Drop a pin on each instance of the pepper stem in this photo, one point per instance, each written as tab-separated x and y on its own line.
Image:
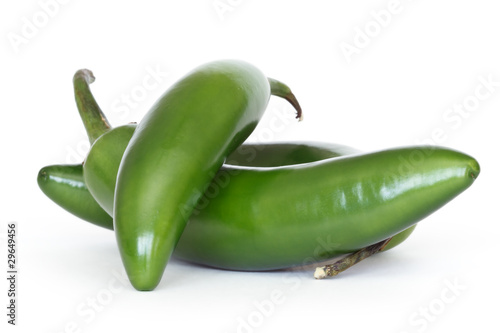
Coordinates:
282	90
349	261
93	118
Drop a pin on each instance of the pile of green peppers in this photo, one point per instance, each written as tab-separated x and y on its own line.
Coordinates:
183	182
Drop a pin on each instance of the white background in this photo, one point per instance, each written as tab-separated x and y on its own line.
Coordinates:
396	90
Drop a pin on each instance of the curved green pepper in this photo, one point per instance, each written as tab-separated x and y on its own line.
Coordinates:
173	155
347	203
65	185
277	217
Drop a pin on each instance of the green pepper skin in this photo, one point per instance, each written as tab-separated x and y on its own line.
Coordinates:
101	165
265	155
263	218
64	185
399	238
174	154
287	216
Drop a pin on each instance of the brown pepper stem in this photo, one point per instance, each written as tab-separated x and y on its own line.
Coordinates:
350	260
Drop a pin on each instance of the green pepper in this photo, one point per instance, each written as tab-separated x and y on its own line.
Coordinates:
241	226
346	203
65	185
350	201
173	155
263	218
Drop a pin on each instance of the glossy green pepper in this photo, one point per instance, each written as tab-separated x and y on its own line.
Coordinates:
65	185
449	172
173	155
263	218
347	203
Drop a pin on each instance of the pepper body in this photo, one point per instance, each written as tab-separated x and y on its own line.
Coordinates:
174	154
301	214
263	218
64	185
54	180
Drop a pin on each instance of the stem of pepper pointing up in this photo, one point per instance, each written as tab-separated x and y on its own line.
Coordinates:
93	118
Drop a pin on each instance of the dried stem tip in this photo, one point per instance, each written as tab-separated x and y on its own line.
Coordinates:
349	261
